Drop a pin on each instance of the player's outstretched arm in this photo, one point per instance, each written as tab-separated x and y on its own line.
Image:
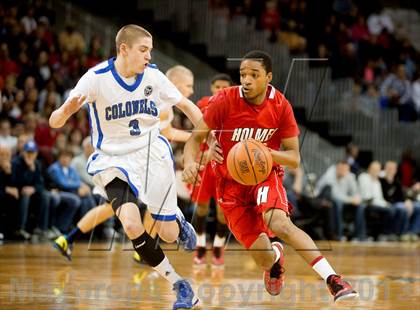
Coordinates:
190	110
191	150
290	156
174	134
59	117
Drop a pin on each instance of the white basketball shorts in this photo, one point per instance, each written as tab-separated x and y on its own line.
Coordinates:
148	171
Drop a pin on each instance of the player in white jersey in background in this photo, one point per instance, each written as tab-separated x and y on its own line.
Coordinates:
131	160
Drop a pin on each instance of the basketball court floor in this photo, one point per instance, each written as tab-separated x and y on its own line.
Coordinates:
35	276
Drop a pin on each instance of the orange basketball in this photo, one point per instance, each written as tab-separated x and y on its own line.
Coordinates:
249	162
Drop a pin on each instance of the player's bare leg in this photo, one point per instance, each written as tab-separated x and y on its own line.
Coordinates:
175	229
199	222
147	248
89	221
219	238
129	216
281	225
149	226
95	217
170	231
270	258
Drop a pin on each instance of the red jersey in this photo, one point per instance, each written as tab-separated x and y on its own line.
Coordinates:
234	120
203	103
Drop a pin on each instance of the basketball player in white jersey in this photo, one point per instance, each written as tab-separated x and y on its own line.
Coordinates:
183	79
131	160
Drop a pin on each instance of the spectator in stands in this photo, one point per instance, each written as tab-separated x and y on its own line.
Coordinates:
71	40
295	42
416	93
345	195
8	92
21	141
379	21
26	175
6	139
28	21
360	31
310	212
391	220
9	194
293	183
270	18
394	194
95	53
64	205
80	162
8	66
396	92
45	137
68	180
407	169
13	108
75	142
352	154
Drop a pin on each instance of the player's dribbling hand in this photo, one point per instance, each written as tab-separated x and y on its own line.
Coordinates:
190	174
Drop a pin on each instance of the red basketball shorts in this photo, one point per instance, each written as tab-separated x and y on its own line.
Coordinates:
202	193
243	206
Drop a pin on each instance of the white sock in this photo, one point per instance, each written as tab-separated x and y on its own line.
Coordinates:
201	240
277	251
219	242
322	267
166	270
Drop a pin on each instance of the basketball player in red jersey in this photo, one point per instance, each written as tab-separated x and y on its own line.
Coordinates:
257	110
201	194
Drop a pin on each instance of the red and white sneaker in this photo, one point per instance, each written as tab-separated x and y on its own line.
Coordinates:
200	256
274	278
218	258
339	288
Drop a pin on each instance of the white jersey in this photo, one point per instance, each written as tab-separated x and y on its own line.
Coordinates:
166	117
123	117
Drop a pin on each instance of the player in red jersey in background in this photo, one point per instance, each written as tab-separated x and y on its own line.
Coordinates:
257	110
201	194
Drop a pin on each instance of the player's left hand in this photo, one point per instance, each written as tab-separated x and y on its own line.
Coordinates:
215	150
190	174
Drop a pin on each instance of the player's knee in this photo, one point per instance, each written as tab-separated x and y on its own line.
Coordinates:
281	226
132	228
282	229
202	210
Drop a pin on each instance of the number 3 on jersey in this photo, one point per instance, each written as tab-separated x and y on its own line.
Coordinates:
135	129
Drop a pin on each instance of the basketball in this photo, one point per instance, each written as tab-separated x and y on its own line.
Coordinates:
249	162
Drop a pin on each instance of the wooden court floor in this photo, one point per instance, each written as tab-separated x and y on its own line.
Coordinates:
35	276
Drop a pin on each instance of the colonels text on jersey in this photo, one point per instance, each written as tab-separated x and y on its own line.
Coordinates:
235	119
124	113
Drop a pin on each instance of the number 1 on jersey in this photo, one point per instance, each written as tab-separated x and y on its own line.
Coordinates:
135	129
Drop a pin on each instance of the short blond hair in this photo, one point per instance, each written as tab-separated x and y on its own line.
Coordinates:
177	72
128	34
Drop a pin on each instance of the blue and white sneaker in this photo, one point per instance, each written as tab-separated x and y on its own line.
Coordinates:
187	236
185	297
